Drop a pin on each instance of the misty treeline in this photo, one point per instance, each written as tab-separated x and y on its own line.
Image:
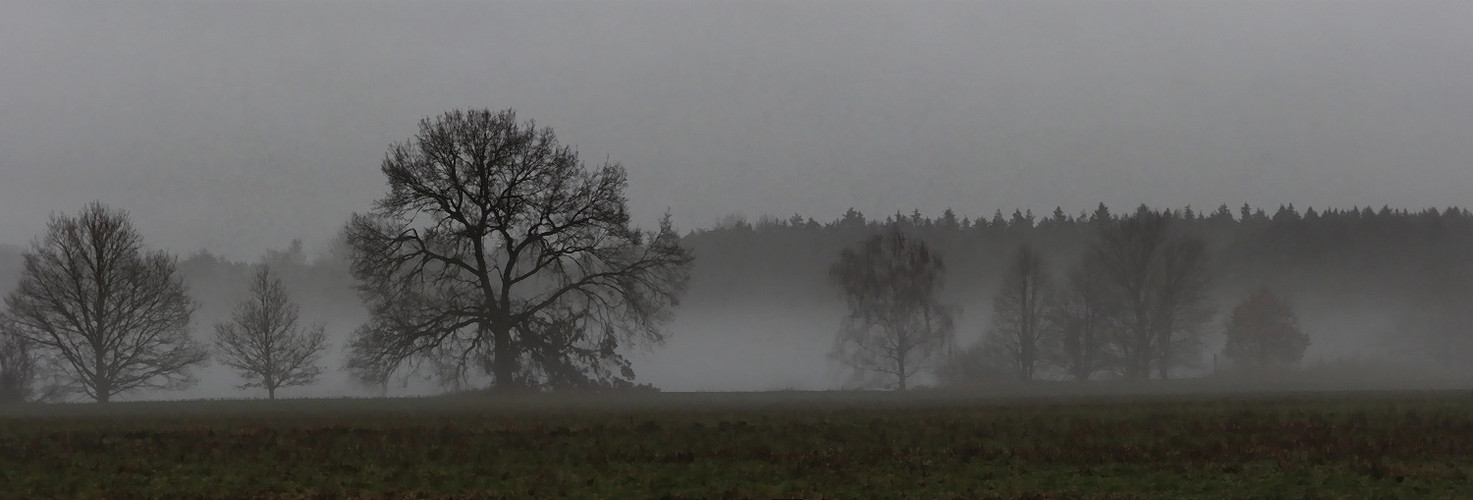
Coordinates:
1368	285
498	259
1403	276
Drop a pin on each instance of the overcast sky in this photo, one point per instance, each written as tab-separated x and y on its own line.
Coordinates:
239	126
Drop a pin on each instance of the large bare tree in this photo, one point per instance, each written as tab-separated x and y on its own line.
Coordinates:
497	249
263	341
1159	281
1020	329
896	326
114	317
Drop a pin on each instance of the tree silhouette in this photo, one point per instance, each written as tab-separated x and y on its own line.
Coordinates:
17	367
1160	282
491	234
1081	315
115	318
1020	327
263	342
1262	332
895	326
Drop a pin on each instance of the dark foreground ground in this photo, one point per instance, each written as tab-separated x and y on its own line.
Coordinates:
756	445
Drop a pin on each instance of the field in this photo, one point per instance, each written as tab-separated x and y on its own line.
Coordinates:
752	445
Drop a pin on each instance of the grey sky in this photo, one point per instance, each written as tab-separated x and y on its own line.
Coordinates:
239	126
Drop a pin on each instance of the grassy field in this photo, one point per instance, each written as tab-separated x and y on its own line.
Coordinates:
752	445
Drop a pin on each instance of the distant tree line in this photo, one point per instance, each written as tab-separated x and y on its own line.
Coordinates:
1041	283
1134	295
497	258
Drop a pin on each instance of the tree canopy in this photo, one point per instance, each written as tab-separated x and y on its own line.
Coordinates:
114	317
497	250
263	341
896	327
1262	332
1021	330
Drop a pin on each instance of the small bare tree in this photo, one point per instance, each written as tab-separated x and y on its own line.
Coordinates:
24	375
17	367
113	318
895	327
1019	334
264	343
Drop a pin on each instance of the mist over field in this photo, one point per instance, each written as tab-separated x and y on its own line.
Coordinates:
761	313
1333	135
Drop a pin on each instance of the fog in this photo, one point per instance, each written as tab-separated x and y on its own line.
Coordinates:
234	128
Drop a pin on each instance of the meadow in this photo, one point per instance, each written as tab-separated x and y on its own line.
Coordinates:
924	444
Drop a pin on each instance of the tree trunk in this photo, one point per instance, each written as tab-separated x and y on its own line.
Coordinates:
901	373
103	390
100	384
1163	367
504	360
1143	355
271	393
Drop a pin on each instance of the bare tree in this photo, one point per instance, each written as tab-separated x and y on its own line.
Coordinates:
1081	315
1127	251
895	327
1159	282
1181	310
1262	332
1020	330
115	318
24	375
263	341
491	239
17	367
